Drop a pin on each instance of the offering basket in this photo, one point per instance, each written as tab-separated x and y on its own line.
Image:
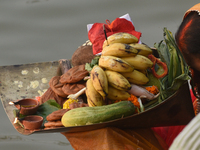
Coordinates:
30	80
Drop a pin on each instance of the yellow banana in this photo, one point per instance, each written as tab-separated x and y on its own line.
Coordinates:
120	37
99	80
115	64
143	49
136	77
117	80
93	97
115	94
119	50
139	62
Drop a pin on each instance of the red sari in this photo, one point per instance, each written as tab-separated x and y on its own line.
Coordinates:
168	134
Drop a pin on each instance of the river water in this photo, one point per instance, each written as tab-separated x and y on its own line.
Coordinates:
47	30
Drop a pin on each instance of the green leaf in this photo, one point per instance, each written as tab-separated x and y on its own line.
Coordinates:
88	67
47	108
44	110
163	52
178	70
94	61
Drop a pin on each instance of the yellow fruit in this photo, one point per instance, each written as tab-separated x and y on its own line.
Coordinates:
120	37
115	94
139	62
93	97
119	50
143	49
99	80
136	77
115	64
117	80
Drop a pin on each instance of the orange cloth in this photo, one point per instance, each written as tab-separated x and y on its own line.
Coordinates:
112	138
193	8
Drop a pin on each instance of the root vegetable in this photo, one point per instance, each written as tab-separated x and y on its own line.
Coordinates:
142	92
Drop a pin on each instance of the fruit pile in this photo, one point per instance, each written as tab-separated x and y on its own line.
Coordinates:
123	62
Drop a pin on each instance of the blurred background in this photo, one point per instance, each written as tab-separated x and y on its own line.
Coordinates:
48	30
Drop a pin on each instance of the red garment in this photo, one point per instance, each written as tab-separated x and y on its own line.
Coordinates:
97	36
168	134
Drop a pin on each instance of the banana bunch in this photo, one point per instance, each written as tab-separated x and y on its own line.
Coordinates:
123	62
96	87
122	53
106	84
94	98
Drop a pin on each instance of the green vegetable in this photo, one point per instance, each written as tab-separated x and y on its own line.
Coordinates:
90	115
178	70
